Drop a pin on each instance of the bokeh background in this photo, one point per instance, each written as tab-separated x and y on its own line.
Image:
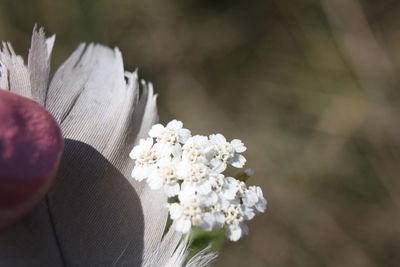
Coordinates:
311	87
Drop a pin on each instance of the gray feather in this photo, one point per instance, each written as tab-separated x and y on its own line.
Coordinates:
18	78
39	66
175	255
164	251
94	215
203	258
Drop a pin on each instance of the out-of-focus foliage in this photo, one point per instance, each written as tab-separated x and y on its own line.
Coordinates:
311	87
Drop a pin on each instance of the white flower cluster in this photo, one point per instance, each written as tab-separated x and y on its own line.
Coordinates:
189	170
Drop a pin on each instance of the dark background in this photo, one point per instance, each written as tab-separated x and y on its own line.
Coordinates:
311	87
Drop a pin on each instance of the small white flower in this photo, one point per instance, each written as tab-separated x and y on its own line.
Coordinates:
248	213
250	197
223	152
145	157
217	182
234	222
195	176
230	188
142	149
227	153
183	223
238	146
197	149
238	161
171	135
165	176
209	199
215	217
261	203
235	232
187	213
234	186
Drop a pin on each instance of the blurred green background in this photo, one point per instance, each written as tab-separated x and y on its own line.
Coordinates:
311	87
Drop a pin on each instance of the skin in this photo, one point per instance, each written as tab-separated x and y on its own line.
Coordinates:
31	147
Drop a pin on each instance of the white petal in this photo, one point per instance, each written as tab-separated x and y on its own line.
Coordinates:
238	146
229	191
146	143
175	210
204	188
139	173
187	193
218	166
219	219
183	170
245	229
175	125
176	151
183	225
156	130
233	233
155	182
162	150
183	135
248	213
218	139
171	191
238	161
209	199
208	222
250	197
261	204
